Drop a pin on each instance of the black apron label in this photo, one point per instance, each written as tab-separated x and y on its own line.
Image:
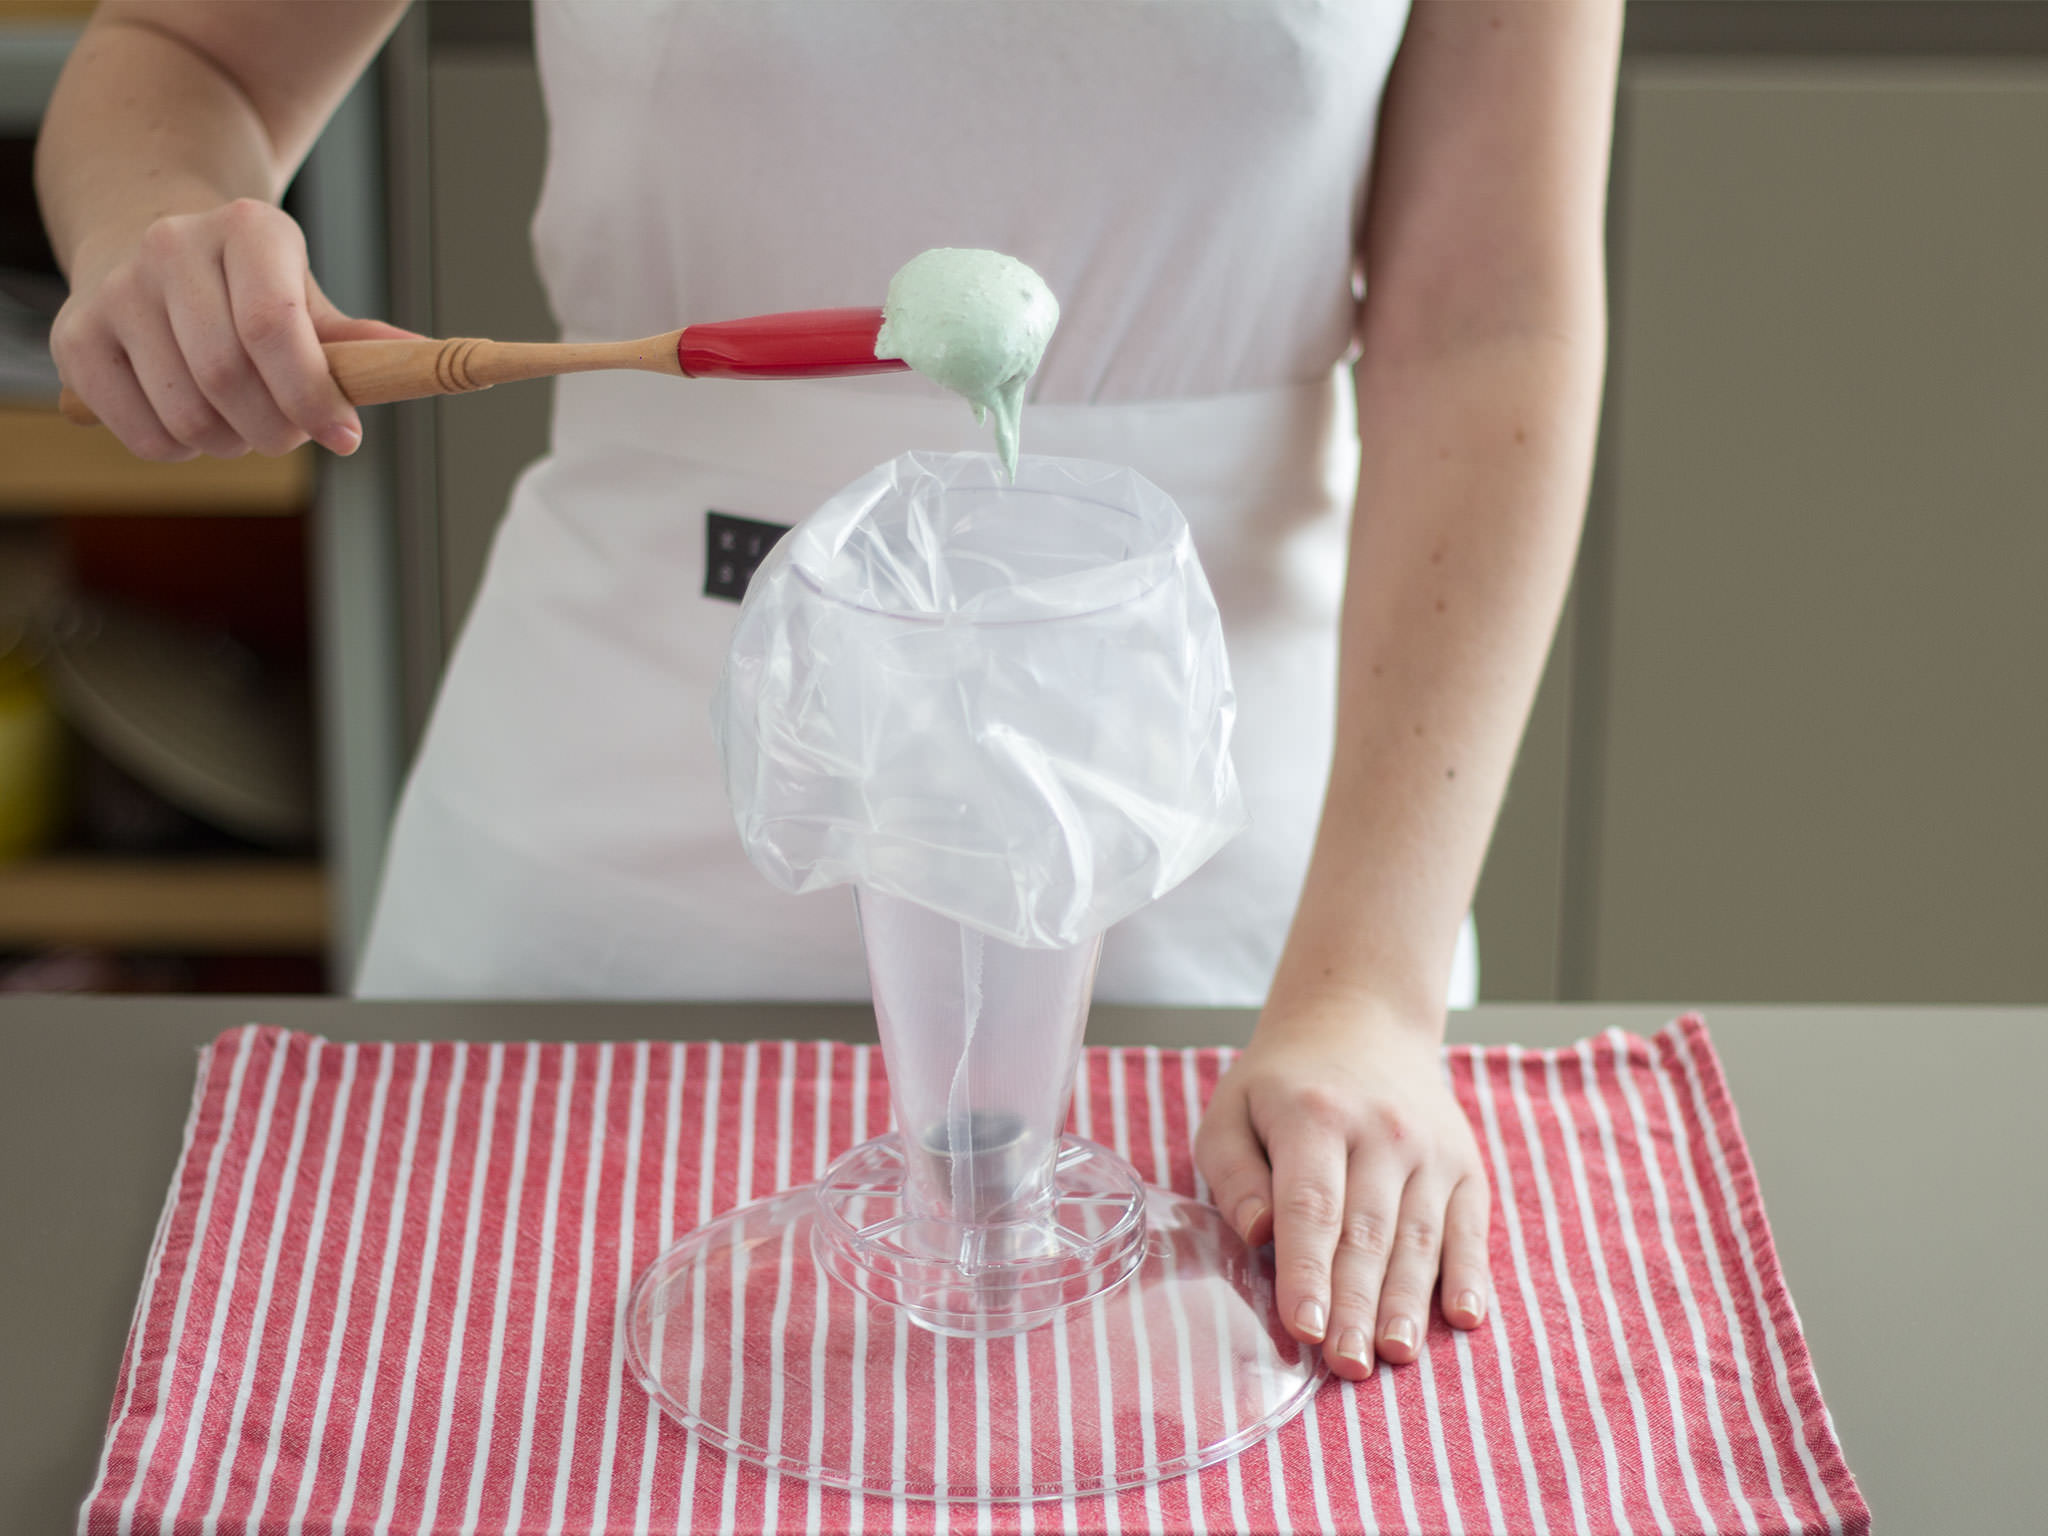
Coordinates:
734	548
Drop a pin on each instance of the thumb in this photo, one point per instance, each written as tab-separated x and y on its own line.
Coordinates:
330	324
1233	1159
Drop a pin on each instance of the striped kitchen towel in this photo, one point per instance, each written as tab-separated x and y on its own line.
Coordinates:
384	1297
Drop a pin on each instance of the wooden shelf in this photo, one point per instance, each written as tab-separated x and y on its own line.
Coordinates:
44	12
187	906
48	465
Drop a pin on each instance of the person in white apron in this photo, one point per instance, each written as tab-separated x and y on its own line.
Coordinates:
1195	183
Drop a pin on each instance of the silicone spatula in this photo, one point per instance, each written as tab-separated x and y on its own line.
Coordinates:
802	344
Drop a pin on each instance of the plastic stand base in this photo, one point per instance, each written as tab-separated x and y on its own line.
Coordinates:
1105	1336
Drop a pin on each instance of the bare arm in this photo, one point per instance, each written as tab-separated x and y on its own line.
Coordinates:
1482	346
1483	341
194	325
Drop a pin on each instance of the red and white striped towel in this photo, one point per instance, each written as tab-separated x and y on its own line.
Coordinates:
384	1295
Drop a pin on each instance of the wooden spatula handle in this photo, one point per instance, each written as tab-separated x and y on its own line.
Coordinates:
374	372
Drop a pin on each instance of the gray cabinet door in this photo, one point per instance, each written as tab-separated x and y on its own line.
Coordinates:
489	147
1810	679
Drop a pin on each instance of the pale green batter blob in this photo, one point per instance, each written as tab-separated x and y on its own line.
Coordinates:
976	322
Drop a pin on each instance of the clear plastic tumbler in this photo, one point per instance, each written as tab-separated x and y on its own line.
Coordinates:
979	1219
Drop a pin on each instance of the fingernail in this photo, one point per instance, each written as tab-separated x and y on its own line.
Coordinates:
1400	1331
1308	1317
1351	1344
1470	1306
343	440
1249	1210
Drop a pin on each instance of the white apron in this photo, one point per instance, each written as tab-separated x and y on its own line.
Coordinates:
564	831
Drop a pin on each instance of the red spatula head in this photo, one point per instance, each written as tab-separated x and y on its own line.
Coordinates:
803	344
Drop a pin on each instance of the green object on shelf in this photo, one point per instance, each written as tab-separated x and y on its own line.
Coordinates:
31	757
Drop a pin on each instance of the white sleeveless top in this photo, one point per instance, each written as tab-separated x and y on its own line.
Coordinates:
1187	175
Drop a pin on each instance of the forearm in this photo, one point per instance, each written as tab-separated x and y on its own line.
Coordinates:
1473	477
141	127
171	109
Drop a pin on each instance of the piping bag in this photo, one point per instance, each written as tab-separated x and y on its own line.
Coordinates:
1002	711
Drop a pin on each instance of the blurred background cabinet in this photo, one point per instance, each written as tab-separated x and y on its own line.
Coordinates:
160	818
1810	745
